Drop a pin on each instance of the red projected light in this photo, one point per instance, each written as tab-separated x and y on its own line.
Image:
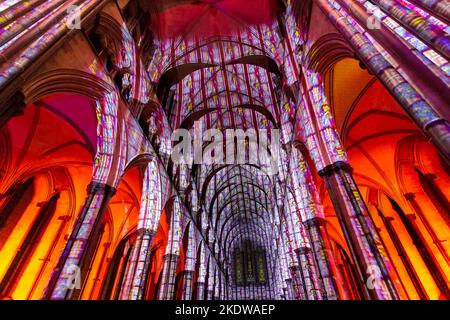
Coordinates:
207	18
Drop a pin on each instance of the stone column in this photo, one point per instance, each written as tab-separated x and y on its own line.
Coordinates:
189	265
174	242
431	85
138	266
42	39
316	228
435	7
168	277
290	293
428	183
418	210
299	274
80	248
18	10
217	285
23	16
314	223
362	238
201	267
420	26
297	282
428	257
223	287
28	247
210	280
187	284
200	290
387	221
331	160
306	266
432	124
19	193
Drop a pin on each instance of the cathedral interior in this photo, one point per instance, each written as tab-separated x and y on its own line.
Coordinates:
94	207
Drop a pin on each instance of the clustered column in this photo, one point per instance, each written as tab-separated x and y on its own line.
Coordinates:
80	248
201	274
149	216
433	125
189	267
314	222
331	161
172	255
177	225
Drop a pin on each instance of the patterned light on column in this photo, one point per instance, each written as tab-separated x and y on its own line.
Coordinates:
313	219
361	236
408	97
149	214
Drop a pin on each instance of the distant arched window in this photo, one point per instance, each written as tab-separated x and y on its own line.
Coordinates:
250	264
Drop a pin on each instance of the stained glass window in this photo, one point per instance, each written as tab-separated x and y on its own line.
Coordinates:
250	264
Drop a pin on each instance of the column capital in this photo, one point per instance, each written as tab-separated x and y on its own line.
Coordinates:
435	122
303	250
287	146
294	267
170	256
300	146
145	232
14	106
98	187
411	216
335	167
187	272
199	289
316	221
410	196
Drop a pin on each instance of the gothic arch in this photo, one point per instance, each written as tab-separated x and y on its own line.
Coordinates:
66	80
326	51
